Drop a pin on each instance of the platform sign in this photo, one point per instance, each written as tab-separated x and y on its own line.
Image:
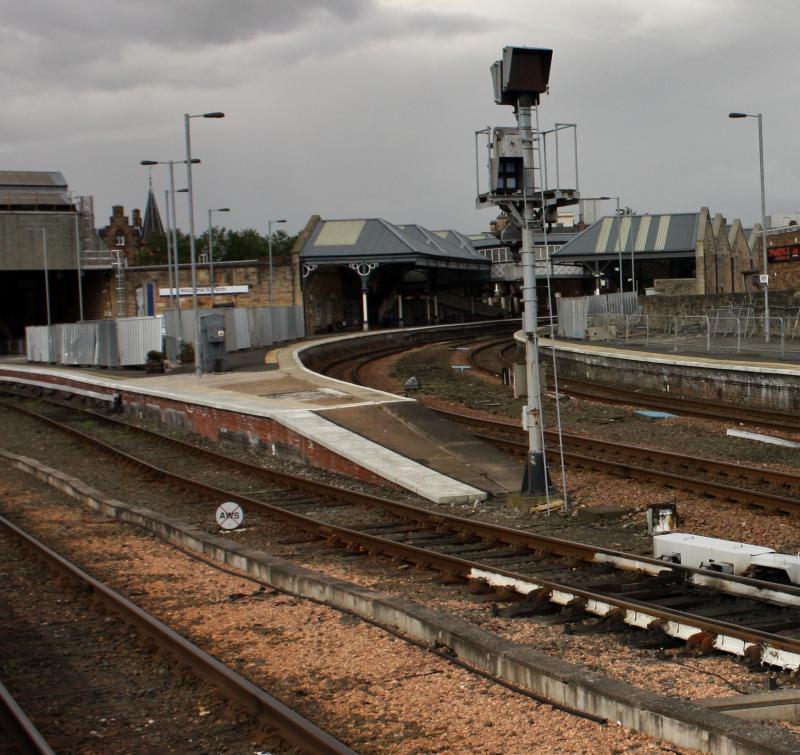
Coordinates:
230	515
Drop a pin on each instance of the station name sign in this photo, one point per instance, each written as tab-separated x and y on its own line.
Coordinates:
204	290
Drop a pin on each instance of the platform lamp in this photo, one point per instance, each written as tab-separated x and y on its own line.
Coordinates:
211	249
198	363
765	256
269	248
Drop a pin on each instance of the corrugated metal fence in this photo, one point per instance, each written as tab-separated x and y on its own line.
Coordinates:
245	327
573	312
124	342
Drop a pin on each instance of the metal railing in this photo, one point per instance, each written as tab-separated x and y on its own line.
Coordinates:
710	333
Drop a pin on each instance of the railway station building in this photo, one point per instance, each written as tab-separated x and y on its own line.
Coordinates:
676	254
48	254
372	273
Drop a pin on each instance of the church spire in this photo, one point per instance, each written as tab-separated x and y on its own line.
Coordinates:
152	218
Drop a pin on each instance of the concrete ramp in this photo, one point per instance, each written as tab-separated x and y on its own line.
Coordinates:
416	432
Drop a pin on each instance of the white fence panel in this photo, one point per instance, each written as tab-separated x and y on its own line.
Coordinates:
262	326
126	341
78	343
242	325
37	343
107	351
136	336
231	344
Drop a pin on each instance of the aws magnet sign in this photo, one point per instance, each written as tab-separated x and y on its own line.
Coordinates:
230	515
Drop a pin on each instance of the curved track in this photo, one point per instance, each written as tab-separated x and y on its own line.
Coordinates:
766	488
622	588
713	410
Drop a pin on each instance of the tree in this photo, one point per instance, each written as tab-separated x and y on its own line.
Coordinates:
247	244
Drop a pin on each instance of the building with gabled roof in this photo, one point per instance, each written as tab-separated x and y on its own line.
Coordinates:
669	253
369	271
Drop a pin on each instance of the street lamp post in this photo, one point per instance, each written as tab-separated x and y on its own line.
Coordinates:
171	164
46	293
170	280
619	244
764	255
211	249
269	247
198	364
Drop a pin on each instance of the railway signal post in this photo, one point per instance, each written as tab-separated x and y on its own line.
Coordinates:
519	78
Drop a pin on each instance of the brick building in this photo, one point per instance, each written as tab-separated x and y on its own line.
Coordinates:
783	250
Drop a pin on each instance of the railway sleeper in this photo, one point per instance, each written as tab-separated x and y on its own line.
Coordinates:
653	638
528	608
703	642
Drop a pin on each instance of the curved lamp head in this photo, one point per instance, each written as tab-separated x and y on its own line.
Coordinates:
737	115
214	115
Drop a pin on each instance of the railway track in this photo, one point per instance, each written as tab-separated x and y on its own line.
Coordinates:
20	733
727	413
532	573
291	728
755	486
720	412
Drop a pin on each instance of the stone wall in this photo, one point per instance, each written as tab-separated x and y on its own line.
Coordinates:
699	304
254	274
667	376
725	259
785	275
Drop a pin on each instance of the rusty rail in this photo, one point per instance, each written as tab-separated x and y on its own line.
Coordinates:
720	490
20	728
293	728
685	406
464	568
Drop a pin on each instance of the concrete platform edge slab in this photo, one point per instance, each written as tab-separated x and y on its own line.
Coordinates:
382	462
682	722
390	465
652	357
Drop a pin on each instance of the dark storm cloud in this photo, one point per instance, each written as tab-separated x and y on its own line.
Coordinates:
115	44
182	23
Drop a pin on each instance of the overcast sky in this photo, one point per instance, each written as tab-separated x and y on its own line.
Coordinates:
368	108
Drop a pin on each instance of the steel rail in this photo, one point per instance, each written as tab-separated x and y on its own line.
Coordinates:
686	406
536	542
13	720
325	366
519	582
480	348
785	504
682	405
293	728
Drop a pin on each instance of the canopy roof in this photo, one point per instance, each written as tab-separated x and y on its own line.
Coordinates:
336	242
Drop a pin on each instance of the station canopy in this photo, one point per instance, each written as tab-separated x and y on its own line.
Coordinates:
667	236
374	240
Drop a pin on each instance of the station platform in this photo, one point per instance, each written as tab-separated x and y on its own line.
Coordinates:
757	382
375	436
708	361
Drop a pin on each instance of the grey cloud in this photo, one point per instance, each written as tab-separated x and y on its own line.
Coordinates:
182	23
115	45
